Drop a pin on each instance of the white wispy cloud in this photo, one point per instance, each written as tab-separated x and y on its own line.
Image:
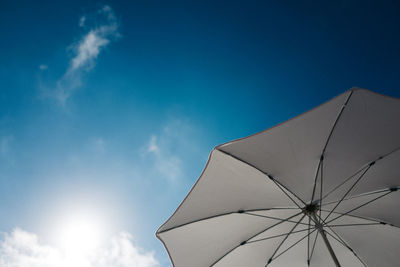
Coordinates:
167	147
123	253
153	146
82	21
24	249
165	162
43	67
85	53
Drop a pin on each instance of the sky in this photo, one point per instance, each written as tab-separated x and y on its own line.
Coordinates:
109	110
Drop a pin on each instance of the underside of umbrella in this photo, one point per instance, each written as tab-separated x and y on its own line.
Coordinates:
318	190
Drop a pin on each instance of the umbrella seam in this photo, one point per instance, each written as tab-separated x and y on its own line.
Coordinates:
328	139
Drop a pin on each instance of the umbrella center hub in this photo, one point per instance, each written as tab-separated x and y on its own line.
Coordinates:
310	209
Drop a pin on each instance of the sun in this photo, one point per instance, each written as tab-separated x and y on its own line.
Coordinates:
80	228
80	236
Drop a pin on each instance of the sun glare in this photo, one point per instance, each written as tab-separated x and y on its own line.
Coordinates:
80	236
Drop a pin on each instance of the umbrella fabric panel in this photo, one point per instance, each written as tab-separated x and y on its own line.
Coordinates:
227	185
376	245
291	151
367	130
205	242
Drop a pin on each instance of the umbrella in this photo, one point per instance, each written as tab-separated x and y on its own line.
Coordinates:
318	190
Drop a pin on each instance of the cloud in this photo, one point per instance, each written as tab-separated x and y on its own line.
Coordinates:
90	45
170	148
164	161
123	253
85	53
153	147
82	21
23	249
43	67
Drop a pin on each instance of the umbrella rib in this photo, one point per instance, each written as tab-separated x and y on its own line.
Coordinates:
336	121
364	218
360	170
259	233
345	181
272	226
266	174
348	191
270	217
274	236
195	221
341	241
279	186
220	215
356	208
298	241
328	139
316	178
338	240
338	236
320	195
282	208
283	241
359	195
354	224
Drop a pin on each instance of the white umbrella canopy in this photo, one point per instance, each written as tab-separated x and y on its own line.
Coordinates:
317	190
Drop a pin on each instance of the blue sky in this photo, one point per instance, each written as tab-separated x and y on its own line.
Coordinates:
108	110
